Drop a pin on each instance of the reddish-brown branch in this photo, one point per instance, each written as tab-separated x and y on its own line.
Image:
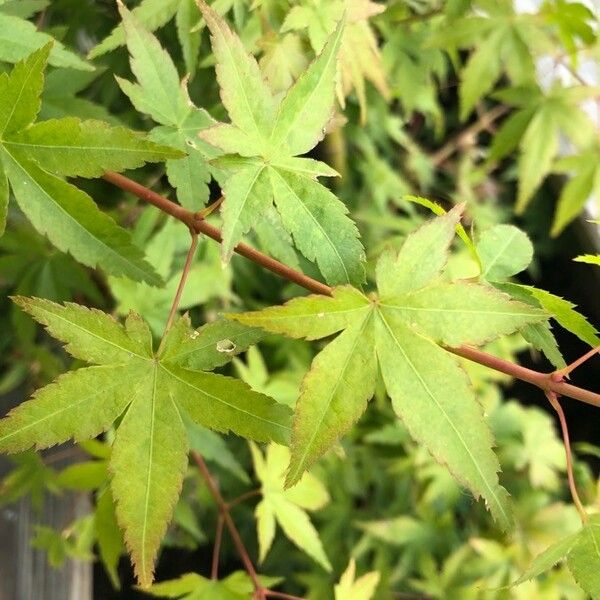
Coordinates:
553	399
195	221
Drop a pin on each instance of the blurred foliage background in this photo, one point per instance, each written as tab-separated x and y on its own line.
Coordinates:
495	104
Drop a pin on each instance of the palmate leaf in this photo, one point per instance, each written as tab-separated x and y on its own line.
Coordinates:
287	506
351	588
159	94
400	328
360	59
154	393
32	155
270	135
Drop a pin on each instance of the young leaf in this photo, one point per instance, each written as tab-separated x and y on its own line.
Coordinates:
149	453
350	588
287	506
401	327
72	222
108	536
270	135
158	93
152	13
504	251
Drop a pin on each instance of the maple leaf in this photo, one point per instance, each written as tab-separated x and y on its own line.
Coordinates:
287	506
19	37
191	586
151	394
159	94
360	59
350	588
582	553
262	145
403	328
33	156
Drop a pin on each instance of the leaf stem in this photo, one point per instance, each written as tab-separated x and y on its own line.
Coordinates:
553	399
466	136
214	571
542	380
562	373
224	512
184	275
242	498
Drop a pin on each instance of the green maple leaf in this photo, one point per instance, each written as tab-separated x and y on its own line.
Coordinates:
263	143
582	552
584	183
360	59
504	42
287	506
34	156
191	586
19	38
403	328
151	393
535	128
504	251
159	94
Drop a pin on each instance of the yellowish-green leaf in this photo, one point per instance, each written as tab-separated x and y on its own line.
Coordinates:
19	38
148	461
420	259
504	251
432	396
334	395
20	92
287	506
350	588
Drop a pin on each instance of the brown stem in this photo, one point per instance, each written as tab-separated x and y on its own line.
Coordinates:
541	380
214	571
242	498
197	223
447	150
233	531
553	399
184	275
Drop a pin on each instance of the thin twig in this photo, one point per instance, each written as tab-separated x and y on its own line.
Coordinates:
485	120
275	594
184	275
541	380
562	373
243	497
553	399
197	223
233	531
214	571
